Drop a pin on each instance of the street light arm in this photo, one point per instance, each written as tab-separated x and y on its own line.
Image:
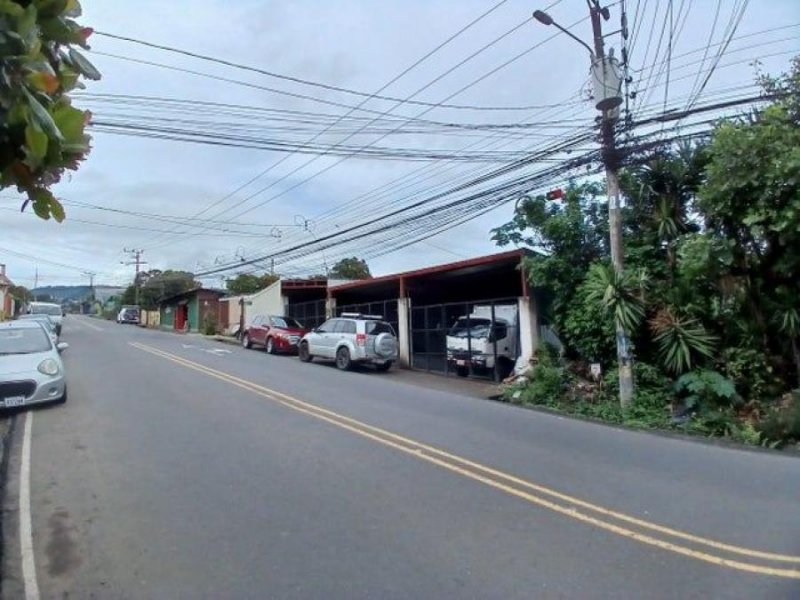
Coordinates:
546	19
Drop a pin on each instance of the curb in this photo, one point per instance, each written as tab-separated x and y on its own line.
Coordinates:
792	452
225	339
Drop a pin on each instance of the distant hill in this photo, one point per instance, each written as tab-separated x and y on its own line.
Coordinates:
77	293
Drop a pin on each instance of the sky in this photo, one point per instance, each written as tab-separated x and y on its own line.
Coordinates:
358	45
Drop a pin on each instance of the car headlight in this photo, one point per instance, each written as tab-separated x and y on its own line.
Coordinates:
48	367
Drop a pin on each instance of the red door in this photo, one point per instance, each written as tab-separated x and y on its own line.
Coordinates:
181	313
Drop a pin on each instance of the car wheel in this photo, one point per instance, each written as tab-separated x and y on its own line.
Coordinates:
303	352
343	362
383	367
270	347
246	343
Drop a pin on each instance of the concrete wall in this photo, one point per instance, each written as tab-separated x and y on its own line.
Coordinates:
167	317
150	318
528	327
268	301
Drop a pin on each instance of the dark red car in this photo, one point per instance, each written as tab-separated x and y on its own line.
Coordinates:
275	334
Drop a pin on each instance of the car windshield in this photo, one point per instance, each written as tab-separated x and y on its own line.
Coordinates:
475	328
378	327
45	309
23	341
43	319
285	323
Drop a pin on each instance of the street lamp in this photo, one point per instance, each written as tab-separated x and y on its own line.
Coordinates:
546	19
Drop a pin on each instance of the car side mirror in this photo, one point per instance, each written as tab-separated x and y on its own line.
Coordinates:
61	346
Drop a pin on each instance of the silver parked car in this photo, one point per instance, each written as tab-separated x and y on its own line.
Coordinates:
46	322
31	370
352	338
54	311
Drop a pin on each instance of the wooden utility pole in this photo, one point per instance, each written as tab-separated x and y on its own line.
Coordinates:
138	262
606	84
611	162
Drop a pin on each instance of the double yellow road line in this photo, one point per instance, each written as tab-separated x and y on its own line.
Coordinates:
642	531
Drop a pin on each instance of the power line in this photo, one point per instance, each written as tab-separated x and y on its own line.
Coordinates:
385	86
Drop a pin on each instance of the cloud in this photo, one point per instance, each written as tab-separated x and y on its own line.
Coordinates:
355	44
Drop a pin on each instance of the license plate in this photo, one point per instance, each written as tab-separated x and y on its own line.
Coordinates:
14	401
461	363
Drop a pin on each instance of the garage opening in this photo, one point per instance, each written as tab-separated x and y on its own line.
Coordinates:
310	314
469	339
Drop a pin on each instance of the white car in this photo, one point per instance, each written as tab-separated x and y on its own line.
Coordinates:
349	339
31	369
52	310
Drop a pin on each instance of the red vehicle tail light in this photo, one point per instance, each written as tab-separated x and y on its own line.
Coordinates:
361	339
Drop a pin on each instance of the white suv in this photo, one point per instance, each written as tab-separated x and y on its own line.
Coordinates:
352	338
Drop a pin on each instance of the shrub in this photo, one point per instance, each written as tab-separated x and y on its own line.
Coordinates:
680	340
751	372
547	381
589	329
782	423
704	389
210	326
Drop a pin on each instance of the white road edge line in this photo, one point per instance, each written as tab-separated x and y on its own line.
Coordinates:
25	524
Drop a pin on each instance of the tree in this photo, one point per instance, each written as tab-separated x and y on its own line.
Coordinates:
248	283
155	285
41	133
350	268
569	235
21	293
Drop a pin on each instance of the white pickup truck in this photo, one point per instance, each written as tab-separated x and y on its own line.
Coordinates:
471	340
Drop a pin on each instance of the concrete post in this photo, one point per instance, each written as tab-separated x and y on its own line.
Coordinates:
404	331
330	307
528	326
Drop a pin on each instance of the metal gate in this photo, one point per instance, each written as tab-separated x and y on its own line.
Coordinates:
476	339
310	314
385	308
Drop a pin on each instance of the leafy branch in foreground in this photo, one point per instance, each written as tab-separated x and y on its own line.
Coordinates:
41	133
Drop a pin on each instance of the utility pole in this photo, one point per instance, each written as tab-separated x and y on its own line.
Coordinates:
90	275
36	278
136	260
606	84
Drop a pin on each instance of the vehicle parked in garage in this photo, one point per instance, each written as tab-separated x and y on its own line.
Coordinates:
46	322
31	369
51	309
475	342
350	339
274	333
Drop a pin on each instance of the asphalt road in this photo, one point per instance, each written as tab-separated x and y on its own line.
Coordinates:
185	468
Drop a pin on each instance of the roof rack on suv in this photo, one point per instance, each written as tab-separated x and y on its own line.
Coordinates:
352	315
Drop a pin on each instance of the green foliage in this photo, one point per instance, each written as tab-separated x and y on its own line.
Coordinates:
751	373
548	380
705	389
782	424
155	285
21	293
619	293
350	268
568	235
210	325
247	283
41	133
680	340
587	329
711	233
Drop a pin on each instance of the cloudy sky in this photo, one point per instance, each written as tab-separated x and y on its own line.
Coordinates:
187	205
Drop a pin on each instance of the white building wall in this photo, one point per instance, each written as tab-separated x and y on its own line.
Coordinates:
268	301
